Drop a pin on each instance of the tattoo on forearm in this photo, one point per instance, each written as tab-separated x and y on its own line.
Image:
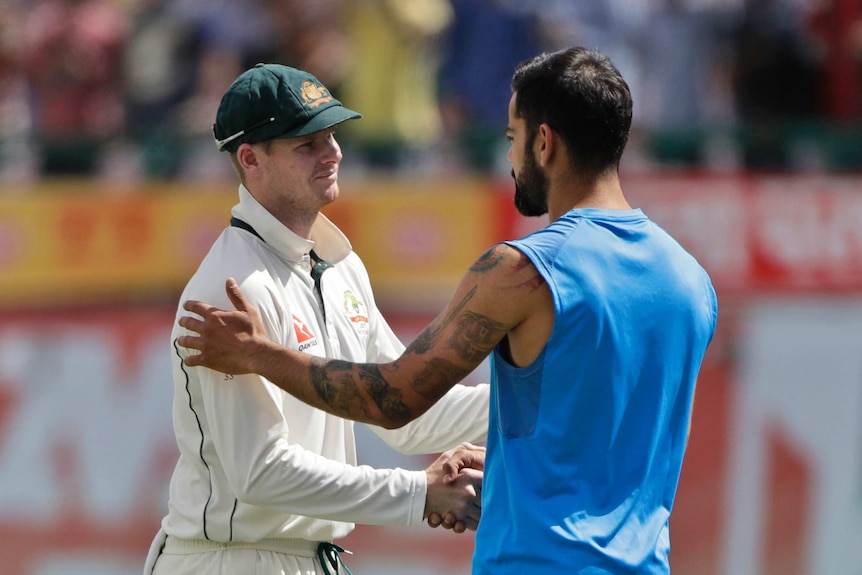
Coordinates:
336	385
333	382
387	398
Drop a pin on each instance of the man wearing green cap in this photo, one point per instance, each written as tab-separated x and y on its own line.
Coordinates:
265	483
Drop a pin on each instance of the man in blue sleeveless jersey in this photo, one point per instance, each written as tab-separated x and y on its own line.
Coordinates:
597	326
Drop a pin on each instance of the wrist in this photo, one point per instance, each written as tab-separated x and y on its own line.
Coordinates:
256	352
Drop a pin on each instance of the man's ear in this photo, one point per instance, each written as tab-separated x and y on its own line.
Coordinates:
547	142
246	156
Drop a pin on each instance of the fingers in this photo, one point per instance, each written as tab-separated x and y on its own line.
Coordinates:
197	307
464	456
464	505
194	360
190	342
452	523
191	324
456	525
236	296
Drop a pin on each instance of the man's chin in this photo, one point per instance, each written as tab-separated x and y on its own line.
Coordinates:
331	192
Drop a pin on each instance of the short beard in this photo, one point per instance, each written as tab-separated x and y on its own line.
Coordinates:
531	188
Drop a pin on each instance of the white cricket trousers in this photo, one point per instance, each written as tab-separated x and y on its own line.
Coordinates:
172	556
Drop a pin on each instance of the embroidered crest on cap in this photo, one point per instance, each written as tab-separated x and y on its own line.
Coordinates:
314	94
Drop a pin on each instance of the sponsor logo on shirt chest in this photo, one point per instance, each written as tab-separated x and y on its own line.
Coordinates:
304	338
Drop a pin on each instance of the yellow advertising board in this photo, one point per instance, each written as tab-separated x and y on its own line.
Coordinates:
64	246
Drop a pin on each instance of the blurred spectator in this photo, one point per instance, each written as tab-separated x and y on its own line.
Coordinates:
17	155
392	81
680	85
244	27
159	74
687	107
311	36
778	75
487	40
126	88
72	54
855	47
201	159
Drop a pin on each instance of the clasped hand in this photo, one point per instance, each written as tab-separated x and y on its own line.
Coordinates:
454	499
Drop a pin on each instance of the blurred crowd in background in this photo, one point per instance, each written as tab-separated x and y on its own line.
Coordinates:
127	89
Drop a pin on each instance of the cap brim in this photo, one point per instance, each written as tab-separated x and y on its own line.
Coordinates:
325	119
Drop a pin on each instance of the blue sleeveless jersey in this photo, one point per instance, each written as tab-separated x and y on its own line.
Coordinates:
586	444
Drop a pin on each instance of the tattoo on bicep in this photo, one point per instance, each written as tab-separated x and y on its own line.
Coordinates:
425	340
475	336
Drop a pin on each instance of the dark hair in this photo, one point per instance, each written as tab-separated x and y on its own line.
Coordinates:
581	95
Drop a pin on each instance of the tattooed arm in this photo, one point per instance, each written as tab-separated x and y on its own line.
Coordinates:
501	296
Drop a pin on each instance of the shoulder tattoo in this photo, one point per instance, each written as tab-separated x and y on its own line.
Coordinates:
487	261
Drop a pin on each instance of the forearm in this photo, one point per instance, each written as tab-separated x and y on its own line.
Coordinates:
352	391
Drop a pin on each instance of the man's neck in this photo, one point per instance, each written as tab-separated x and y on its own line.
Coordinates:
604	192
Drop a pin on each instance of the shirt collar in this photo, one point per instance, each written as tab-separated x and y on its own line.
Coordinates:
327	240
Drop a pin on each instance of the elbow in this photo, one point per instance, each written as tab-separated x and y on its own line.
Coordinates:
392	425
394	415
385	415
387	420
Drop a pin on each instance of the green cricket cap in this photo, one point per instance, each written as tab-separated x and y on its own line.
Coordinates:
272	101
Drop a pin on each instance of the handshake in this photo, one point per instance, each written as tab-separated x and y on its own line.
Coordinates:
454	497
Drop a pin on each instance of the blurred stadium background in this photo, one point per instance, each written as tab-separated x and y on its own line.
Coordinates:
747	146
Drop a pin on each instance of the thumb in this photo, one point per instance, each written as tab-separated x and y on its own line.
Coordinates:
235	295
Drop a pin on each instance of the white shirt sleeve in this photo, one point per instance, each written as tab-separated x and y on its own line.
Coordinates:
460	415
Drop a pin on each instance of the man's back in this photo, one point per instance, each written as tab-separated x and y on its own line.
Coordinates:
586	443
